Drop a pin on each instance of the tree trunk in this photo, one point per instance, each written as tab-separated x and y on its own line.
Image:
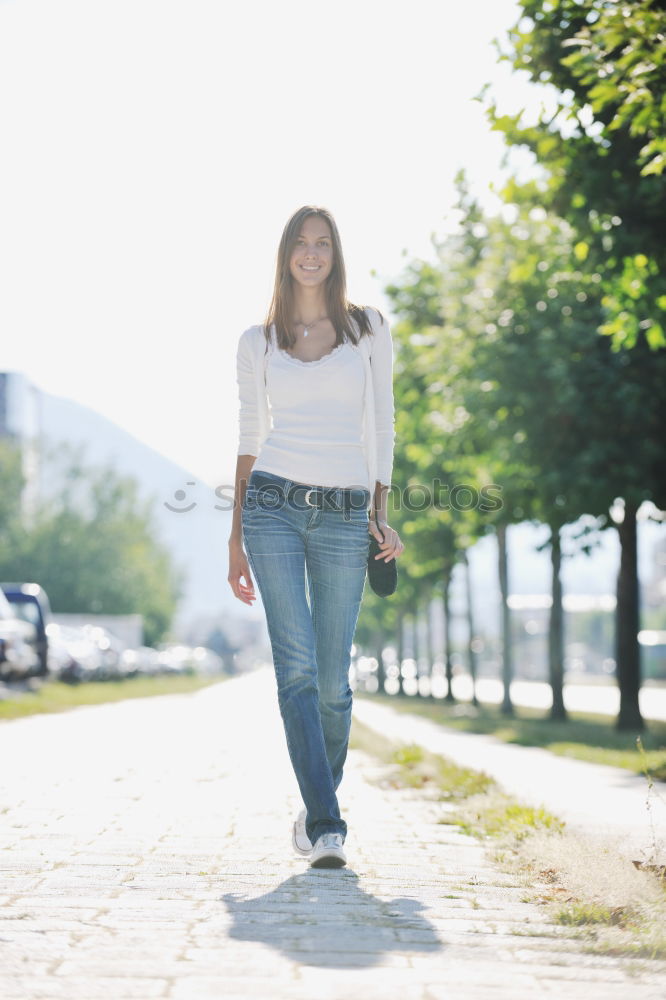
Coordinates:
505	626
422	665
448	665
411	632
430	645
627	624
401	649
471	632
556	630
413	638
381	673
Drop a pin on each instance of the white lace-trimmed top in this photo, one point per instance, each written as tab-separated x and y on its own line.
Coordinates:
328	422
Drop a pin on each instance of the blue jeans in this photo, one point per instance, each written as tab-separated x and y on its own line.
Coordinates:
290	543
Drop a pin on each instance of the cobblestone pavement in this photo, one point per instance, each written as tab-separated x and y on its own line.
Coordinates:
145	852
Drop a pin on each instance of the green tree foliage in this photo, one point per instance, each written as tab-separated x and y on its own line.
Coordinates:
92	547
604	147
511	385
12	483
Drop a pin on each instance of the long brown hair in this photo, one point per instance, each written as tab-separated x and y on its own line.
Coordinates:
350	321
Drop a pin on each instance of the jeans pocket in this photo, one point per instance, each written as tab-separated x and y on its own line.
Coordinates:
267	497
357	517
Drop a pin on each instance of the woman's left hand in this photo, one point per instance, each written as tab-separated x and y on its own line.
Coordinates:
391	545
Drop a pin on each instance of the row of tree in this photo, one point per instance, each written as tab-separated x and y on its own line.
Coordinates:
531	353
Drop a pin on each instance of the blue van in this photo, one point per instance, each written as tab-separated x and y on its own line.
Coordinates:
30	602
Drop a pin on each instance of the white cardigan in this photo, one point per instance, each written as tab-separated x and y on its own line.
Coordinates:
378	410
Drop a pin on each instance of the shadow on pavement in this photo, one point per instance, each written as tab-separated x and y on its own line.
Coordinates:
323	918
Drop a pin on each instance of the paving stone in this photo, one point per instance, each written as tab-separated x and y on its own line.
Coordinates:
20	965
40	921
13	884
49	988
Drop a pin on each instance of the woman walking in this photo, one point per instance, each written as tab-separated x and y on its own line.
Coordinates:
315	457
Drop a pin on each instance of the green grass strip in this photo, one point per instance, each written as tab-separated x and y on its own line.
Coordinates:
585	736
56	696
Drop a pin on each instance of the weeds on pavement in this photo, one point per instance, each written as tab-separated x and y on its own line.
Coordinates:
617	907
655	861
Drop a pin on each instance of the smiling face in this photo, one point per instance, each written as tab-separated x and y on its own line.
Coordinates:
311	259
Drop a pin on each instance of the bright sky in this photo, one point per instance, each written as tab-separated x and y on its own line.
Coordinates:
152	151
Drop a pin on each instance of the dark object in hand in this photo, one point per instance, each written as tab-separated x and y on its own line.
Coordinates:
382	575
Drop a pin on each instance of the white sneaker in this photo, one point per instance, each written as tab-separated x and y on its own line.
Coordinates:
328	852
299	837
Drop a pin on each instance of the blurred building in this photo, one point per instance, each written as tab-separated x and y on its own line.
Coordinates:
21	421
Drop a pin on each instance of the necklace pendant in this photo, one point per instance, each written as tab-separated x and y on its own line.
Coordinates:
305	331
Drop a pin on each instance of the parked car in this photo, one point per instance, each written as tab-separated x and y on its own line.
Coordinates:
110	650
63	664
30	602
74	655
143	660
18	656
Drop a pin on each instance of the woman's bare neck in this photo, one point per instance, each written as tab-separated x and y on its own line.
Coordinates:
309	308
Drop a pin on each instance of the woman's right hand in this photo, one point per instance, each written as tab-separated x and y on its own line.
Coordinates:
239	568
